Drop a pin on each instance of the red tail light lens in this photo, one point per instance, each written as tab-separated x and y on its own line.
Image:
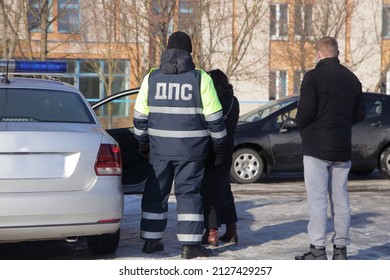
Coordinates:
108	162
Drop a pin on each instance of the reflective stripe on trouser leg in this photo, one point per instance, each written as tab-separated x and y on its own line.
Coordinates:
339	202
316	182
155	200
188	181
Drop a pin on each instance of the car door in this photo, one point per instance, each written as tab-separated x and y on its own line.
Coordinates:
286	144
370	135
116	116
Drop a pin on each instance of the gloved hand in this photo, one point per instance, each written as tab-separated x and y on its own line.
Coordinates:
219	151
143	150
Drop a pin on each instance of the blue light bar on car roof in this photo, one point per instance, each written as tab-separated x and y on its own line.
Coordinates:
32	67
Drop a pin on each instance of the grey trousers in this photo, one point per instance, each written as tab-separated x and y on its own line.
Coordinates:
323	178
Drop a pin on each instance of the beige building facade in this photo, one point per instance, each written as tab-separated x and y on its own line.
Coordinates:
265	46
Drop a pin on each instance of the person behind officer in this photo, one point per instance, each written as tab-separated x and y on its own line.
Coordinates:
329	104
176	111
218	200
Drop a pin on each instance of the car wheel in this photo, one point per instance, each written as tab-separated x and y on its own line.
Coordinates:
384	163
247	166
103	244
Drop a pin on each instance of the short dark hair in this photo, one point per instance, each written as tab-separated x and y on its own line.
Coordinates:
328	46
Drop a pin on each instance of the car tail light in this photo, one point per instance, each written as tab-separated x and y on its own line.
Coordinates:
108	161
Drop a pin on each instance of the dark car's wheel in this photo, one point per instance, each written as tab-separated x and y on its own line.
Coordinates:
103	244
384	163
247	167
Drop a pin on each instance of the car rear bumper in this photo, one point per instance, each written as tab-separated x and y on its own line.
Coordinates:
56	215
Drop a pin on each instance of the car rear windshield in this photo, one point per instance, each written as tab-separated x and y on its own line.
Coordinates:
265	110
37	105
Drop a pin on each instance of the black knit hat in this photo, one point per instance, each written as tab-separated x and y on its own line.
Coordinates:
180	40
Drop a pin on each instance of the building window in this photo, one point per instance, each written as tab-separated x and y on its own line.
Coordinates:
278	21
84	75
185	7
386	22
68	16
298	77
187	16
277	84
37	9
303	21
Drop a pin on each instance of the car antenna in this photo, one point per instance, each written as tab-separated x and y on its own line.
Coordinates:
5	79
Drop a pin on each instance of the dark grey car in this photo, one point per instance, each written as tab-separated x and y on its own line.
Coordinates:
268	141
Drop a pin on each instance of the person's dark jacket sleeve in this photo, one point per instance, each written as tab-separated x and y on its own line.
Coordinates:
307	103
359	112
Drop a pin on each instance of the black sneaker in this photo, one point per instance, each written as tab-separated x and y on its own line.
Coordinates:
315	253
339	253
194	251
152	246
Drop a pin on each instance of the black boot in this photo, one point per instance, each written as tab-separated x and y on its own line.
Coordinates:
152	246
194	251
231	233
315	253
339	253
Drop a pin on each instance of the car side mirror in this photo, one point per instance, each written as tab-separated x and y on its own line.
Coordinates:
288	124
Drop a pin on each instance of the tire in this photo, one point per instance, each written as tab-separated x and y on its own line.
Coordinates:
103	244
247	166
384	163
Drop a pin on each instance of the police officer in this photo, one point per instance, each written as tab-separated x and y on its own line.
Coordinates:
176	111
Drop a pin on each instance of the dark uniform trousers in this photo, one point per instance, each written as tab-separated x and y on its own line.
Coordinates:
187	177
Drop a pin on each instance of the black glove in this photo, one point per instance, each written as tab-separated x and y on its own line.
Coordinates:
143	150
219	151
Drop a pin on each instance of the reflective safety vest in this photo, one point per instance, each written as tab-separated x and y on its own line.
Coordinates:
177	114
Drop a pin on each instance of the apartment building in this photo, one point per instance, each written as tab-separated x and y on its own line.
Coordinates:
361	28
265	46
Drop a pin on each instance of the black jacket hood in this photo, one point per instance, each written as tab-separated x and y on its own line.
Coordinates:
176	61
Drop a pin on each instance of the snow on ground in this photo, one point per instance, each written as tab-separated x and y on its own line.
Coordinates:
272	224
271	228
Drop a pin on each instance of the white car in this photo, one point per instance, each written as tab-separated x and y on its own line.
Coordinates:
60	172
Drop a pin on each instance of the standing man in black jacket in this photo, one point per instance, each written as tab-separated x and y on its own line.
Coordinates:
329	104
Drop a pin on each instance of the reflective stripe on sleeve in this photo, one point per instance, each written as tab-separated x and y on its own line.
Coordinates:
218	135
139	132
141	116
213	117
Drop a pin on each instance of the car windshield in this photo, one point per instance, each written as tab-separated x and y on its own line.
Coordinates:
265	110
37	105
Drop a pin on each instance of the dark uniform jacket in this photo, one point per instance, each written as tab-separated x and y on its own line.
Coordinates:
177	110
329	104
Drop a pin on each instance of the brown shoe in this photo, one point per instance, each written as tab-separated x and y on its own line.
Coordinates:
230	234
213	237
